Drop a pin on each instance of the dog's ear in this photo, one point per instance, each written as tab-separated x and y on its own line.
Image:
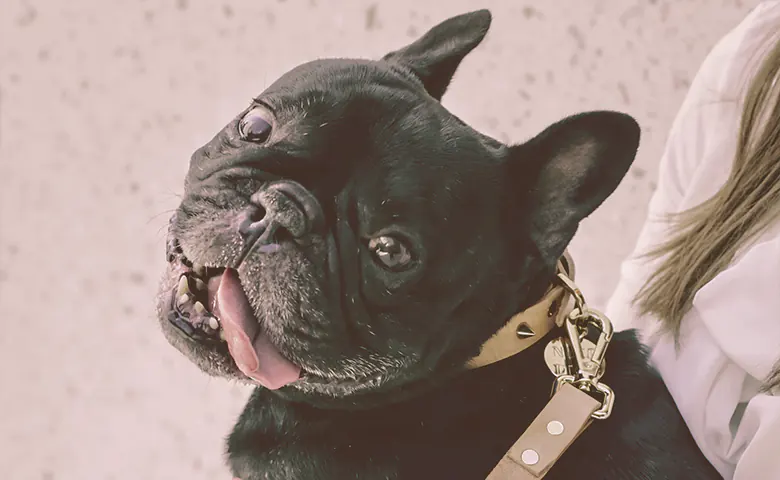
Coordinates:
435	57
563	174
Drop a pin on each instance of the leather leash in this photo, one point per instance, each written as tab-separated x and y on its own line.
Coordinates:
577	364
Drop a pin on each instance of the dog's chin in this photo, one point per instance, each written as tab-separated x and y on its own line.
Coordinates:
366	391
185	305
360	393
381	388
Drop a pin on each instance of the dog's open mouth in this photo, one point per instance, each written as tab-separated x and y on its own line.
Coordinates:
188	310
209	306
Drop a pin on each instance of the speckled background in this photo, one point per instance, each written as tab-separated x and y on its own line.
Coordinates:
101	104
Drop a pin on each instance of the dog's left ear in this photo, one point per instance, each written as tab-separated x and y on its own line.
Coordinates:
435	57
563	174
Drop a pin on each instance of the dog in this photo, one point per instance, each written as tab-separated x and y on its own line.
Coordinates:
347	245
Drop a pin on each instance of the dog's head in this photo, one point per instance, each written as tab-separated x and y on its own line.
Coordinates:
346	236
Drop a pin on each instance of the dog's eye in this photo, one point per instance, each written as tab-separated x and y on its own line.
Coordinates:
256	125
390	252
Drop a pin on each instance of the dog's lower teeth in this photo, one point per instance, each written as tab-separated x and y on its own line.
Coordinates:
200	285
182	300
199	308
213	322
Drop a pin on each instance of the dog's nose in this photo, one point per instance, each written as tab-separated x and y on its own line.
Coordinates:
279	205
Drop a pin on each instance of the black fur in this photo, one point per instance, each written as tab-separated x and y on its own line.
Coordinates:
385	394
460	430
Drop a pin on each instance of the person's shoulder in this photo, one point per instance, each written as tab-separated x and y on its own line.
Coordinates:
761	27
767	4
765	15
727	69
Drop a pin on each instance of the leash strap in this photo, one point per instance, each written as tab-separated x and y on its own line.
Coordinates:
565	417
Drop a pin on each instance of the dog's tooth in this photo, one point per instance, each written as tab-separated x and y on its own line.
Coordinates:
222	335
213	323
199	308
182	300
184	286
200	285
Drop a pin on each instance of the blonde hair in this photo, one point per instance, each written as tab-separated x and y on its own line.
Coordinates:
705	239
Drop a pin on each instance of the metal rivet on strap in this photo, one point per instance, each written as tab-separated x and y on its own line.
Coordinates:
555	427
530	457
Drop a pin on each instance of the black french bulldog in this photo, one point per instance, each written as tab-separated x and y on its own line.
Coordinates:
348	244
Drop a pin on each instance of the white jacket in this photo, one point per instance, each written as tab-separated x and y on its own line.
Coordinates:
731	336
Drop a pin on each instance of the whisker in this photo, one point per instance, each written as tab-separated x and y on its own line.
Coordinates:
157	215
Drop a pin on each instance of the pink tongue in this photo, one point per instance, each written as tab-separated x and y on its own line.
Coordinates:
249	346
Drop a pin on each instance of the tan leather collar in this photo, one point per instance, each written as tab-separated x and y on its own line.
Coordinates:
529	326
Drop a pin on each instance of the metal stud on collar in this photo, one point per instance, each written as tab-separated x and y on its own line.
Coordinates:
525	331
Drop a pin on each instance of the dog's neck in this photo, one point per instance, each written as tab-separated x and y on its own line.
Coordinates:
529	326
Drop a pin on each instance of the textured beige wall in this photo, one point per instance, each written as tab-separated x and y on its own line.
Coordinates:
101	104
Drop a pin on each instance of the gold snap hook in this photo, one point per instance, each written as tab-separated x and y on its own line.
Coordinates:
589	358
590	361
